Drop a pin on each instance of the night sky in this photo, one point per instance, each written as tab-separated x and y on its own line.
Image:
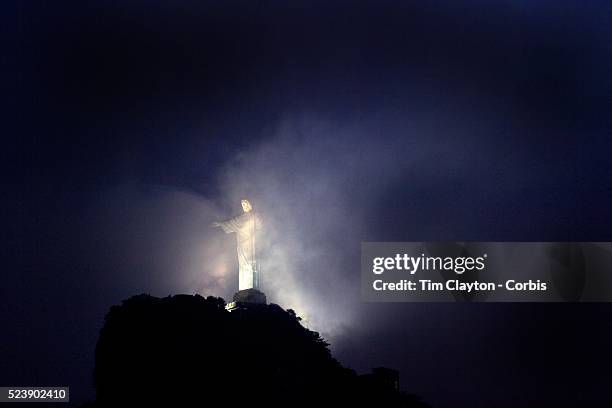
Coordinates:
128	127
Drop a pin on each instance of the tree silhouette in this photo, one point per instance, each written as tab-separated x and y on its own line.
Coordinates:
189	351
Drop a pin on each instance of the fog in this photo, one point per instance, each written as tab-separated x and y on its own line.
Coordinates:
315	194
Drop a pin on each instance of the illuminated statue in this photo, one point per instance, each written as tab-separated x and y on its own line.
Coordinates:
244	226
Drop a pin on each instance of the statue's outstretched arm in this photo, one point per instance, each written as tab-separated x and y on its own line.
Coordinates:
229	226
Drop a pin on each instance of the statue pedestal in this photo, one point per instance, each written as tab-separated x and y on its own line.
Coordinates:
245	298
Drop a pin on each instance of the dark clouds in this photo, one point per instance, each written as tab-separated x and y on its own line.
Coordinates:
136	125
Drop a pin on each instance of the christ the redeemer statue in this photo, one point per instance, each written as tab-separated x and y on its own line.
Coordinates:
245	226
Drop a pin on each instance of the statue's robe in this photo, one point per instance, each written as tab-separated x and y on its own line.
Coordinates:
245	227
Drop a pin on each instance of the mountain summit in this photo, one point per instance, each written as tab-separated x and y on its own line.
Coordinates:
190	351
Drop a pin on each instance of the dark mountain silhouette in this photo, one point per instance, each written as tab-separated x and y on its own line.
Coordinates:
189	351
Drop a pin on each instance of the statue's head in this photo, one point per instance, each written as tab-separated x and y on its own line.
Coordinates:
246	206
